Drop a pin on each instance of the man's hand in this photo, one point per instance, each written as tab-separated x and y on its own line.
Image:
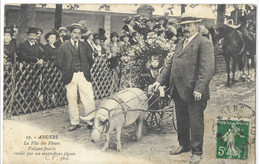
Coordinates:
40	62
197	96
155	86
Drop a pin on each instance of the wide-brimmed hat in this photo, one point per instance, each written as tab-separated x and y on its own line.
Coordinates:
137	17
51	33
128	20
62	29
78	26
9	30
113	34
125	33
189	18
172	21
32	30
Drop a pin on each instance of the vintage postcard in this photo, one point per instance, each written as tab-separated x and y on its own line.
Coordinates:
129	83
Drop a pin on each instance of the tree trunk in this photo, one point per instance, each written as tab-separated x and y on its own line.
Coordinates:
58	16
183	8
27	17
221	14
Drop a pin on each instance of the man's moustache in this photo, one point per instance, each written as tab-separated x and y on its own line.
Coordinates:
186	32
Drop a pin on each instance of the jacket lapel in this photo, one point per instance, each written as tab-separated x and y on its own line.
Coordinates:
188	46
72	48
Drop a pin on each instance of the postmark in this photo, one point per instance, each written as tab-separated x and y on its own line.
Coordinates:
234	130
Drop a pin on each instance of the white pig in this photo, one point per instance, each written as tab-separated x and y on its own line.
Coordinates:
118	111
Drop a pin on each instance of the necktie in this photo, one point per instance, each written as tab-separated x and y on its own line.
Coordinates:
75	44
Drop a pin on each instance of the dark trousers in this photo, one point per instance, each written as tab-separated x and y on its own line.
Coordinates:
190	123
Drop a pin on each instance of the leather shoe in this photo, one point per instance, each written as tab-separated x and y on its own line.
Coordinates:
179	150
73	127
195	159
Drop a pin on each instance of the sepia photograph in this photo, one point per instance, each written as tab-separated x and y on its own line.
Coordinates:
128	83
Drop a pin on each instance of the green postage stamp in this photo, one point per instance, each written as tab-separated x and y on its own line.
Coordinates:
232	139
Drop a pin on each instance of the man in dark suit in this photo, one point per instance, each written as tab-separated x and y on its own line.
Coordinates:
62	33
75	62
39	37
188	74
29	50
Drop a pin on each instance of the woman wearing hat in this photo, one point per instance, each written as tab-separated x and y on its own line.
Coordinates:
125	45
113	49
129	25
98	49
114	55
88	39
9	46
51	51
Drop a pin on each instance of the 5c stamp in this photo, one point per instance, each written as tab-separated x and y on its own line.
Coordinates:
232	139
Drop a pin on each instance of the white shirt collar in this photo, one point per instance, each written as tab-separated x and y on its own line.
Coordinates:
192	37
31	43
72	42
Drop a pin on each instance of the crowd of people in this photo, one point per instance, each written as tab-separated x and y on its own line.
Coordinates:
177	55
144	42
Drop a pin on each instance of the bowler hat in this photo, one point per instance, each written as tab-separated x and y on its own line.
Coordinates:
62	29
51	33
14	26
32	30
39	30
77	26
189	18
8	30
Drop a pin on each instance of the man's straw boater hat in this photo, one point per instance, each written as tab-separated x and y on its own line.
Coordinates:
78	26
189	18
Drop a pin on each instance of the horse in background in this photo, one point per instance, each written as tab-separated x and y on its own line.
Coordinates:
233	47
247	29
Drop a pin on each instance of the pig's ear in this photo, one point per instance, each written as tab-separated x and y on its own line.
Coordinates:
102	118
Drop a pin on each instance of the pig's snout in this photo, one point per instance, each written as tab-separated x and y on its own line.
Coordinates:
95	135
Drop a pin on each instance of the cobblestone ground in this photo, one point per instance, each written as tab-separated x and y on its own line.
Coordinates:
153	148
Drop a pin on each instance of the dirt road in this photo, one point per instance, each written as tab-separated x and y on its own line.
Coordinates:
76	147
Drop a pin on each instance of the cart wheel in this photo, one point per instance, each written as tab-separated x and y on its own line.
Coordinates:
153	119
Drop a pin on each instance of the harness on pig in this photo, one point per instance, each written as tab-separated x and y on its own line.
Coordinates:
125	108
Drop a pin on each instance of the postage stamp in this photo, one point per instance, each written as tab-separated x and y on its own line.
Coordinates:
232	139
